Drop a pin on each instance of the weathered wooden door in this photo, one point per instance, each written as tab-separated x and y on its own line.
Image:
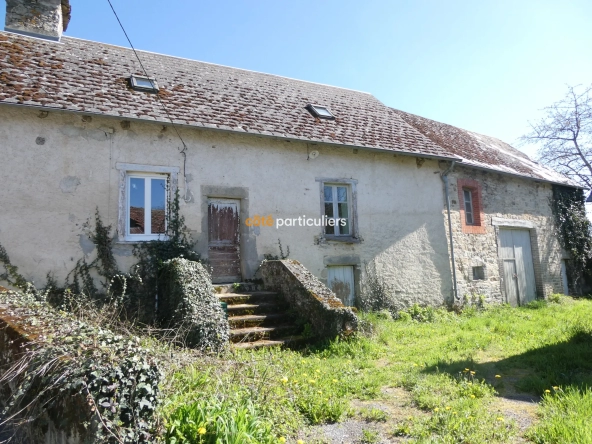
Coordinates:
516	254
340	279
224	240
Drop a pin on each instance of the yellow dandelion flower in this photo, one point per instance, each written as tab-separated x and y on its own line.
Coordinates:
284	380
547	391
318	371
201	430
436	409
466	369
305	375
472	396
447	407
312	381
282	439
500	419
335	380
472	373
555	387
454	413
414	364
299	442
320	392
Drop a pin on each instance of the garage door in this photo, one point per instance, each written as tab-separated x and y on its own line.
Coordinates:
518	269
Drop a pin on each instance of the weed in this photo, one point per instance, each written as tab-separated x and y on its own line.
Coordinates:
373	415
370	436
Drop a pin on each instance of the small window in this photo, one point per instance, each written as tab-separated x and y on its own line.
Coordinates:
337	209
322	112
478	273
469	215
146	207
143	83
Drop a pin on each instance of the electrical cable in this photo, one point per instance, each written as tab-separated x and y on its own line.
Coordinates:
184	150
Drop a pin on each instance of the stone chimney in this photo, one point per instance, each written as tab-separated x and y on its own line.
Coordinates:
46	19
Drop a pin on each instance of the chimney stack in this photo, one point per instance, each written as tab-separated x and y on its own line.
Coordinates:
46	19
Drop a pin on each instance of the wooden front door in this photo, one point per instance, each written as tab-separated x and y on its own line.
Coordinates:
340	280
224	240
516	255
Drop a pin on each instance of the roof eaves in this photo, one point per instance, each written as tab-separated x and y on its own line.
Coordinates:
239	130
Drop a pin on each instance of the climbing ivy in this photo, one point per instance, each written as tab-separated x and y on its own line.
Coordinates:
573	229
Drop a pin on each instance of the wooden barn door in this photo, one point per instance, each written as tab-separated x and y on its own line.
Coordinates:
340	279
516	254
224	240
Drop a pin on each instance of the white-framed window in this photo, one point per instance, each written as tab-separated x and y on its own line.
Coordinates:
338	208
146	207
145	193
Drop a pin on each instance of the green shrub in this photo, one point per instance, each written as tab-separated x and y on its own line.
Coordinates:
188	302
112	375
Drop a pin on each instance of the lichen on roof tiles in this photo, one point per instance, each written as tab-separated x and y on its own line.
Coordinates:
482	151
80	75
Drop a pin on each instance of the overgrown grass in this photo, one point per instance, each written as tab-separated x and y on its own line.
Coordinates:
566	416
453	366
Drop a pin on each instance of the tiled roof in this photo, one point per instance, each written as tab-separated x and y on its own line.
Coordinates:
91	77
482	151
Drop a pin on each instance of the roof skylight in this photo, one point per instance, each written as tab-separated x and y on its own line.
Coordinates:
142	83
322	112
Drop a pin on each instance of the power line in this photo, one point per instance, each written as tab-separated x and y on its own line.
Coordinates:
184	150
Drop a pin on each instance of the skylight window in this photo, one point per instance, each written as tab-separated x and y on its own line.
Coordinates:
322	112
141	83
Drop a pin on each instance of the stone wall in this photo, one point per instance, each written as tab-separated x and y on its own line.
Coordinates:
311	300
516	202
15	334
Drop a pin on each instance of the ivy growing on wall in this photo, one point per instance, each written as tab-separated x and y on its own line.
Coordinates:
573	229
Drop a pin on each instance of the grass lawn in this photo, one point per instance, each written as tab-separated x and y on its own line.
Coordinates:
499	375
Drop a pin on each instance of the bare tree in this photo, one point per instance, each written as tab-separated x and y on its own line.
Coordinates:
565	135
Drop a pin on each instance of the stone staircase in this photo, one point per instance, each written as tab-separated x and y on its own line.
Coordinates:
257	318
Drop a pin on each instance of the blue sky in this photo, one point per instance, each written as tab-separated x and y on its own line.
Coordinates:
487	65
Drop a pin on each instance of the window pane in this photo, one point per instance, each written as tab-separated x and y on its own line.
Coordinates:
329	210
328	194
136	209
469	218
467	195
158	201
341	194
144	83
330	229
344	229
343	210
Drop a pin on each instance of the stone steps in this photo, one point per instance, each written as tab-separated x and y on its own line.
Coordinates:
257	318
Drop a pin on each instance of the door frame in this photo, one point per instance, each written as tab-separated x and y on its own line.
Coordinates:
526	225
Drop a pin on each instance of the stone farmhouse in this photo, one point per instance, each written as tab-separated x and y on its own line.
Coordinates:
347	183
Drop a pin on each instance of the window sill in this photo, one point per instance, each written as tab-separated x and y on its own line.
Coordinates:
342	239
139	241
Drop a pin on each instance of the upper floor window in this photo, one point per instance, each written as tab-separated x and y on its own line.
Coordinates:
469	219
471	208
